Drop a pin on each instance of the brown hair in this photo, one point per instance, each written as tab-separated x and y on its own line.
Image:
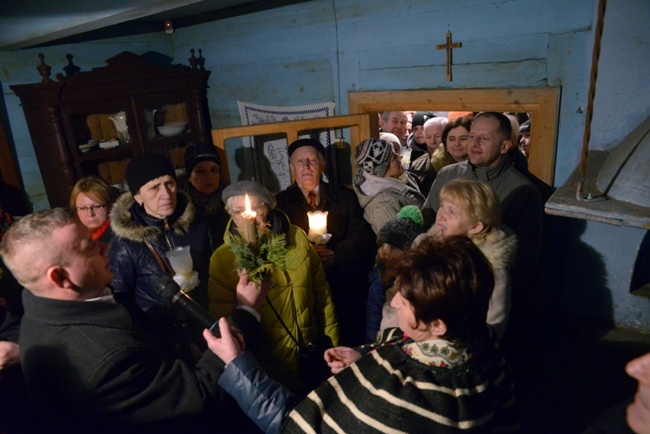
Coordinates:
461	121
93	186
451	280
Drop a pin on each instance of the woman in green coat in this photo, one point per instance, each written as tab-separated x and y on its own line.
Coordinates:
299	292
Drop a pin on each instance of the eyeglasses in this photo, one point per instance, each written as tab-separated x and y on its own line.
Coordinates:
94	208
257	208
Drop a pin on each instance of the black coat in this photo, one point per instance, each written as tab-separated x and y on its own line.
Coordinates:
94	366
354	246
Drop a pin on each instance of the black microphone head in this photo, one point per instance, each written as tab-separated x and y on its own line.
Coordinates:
166	287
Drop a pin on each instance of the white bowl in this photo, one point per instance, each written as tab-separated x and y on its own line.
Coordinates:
172	128
86	147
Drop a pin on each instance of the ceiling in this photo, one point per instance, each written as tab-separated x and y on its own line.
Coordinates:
35	23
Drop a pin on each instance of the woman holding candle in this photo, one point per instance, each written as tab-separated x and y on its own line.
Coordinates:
299	292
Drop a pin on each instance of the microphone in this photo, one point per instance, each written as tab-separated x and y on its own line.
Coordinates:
168	289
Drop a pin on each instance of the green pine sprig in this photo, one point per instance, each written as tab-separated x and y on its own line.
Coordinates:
259	260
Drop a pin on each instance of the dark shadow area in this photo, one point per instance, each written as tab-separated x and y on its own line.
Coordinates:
640	283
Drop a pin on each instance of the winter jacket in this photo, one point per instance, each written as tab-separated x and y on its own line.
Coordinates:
387	390
94	366
135	269
521	210
299	293
382	198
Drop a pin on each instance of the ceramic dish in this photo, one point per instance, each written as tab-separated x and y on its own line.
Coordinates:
86	147
172	128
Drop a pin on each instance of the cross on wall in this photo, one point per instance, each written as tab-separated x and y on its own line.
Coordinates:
448	46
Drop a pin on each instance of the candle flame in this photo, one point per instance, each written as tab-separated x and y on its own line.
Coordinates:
248	212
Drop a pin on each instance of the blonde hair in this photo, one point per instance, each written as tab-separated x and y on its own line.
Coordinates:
92	186
477	199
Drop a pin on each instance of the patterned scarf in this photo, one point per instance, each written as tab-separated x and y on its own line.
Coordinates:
437	352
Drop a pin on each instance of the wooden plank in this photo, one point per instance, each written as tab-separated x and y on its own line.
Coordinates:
359	125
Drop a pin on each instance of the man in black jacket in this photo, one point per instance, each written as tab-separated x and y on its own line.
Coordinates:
348	256
93	365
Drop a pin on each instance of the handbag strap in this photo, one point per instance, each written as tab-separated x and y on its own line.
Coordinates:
282	322
163	265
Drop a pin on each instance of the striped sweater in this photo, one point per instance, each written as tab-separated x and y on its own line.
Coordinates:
387	391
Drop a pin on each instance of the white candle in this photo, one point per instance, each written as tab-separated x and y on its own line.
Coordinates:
249	223
317	226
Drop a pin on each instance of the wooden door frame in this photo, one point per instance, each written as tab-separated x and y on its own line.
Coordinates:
542	103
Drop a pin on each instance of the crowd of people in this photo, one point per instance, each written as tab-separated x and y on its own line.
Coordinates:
427	272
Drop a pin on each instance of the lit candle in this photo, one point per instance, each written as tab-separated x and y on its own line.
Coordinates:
317	225
249	223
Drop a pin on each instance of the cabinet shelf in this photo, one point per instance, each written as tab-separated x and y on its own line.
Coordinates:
127	99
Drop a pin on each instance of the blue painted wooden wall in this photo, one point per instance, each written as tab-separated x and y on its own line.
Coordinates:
319	50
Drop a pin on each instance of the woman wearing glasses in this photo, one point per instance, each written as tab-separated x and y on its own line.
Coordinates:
92	199
299	293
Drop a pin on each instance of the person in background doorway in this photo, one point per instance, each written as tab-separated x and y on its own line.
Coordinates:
416	141
395	123
91	200
424	167
524	137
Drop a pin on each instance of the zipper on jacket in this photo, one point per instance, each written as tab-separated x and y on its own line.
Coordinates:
166	230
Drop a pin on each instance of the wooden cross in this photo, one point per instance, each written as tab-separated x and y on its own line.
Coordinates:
448	46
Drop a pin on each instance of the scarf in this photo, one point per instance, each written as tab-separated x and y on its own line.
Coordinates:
97	233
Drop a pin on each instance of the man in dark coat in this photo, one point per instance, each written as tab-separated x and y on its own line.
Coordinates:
93	365
348	255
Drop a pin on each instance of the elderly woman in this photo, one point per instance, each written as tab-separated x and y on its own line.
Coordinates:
91	199
381	183
203	166
299	293
440	371
472	209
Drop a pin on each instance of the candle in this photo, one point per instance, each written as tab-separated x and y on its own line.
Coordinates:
317	225
248	228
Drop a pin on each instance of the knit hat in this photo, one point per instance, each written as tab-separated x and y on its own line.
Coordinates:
525	127
402	230
306	142
194	154
251	188
419	118
147	167
373	156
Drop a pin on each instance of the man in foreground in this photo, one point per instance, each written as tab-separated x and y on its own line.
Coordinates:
91	364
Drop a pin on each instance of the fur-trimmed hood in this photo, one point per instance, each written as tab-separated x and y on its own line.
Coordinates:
499	247
130	221
441	158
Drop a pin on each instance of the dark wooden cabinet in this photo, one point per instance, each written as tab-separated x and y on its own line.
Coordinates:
94	122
